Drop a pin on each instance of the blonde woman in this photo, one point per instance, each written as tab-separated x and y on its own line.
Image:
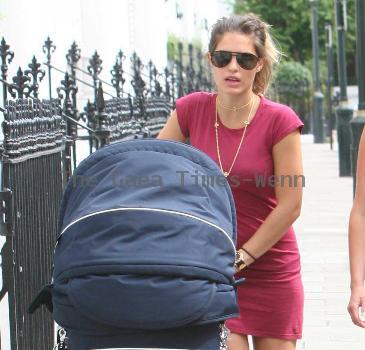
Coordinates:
256	143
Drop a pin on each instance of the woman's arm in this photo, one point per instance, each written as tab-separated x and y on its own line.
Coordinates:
287	158
357	240
171	130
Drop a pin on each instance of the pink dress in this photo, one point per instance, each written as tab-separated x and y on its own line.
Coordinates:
271	298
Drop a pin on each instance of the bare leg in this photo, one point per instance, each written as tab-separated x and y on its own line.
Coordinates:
261	343
237	342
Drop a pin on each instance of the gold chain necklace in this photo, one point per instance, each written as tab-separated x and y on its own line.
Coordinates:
216	124
234	109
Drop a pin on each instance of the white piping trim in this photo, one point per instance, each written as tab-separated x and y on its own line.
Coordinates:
152	209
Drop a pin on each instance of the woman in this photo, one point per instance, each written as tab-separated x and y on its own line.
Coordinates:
256	143
356	306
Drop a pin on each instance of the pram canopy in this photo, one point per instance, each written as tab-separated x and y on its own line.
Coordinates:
147	240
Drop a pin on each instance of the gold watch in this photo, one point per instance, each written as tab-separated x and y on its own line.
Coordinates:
239	262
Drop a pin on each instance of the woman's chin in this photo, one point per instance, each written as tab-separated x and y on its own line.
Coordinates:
233	91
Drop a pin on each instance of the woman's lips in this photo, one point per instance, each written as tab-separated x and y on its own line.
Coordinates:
231	81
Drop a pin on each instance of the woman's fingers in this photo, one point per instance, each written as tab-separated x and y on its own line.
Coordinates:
354	311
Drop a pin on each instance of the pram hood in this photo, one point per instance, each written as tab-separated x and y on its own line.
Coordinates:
147	240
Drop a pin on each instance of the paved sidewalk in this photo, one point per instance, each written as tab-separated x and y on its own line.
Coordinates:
322	235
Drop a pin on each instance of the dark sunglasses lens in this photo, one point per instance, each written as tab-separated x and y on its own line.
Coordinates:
221	58
247	60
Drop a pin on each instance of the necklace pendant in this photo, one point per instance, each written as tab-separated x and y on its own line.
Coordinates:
225	173
234	109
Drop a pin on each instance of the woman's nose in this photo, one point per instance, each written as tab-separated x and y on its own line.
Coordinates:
233	64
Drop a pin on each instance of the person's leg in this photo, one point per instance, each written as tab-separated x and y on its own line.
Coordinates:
237	341
263	343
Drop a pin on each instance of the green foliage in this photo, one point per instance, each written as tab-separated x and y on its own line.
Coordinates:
293	74
351	42
293	86
291	24
323	72
172	47
172	42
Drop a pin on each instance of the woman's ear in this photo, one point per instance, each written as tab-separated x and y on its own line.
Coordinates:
208	57
260	65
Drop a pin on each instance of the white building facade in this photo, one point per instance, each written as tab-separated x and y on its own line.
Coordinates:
107	26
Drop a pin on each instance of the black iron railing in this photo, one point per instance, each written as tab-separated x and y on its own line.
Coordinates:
31	192
40	151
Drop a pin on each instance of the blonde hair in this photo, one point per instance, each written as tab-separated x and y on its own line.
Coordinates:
265	47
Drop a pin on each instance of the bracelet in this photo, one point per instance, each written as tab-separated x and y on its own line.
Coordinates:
249	254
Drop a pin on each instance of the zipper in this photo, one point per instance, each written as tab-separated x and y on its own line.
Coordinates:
166	211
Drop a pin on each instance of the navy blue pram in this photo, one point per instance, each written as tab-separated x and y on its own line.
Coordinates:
146	244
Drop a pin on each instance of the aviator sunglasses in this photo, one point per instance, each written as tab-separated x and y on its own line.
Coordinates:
245	60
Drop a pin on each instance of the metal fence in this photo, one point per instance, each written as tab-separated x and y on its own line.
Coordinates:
32	189
39	153
298	97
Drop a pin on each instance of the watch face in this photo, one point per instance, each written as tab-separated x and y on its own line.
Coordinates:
238	256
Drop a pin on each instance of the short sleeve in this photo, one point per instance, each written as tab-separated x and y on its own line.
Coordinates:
185	109
285	122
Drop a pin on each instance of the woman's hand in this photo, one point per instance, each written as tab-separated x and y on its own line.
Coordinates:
357	300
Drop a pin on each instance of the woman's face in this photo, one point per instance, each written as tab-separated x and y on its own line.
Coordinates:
232	78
